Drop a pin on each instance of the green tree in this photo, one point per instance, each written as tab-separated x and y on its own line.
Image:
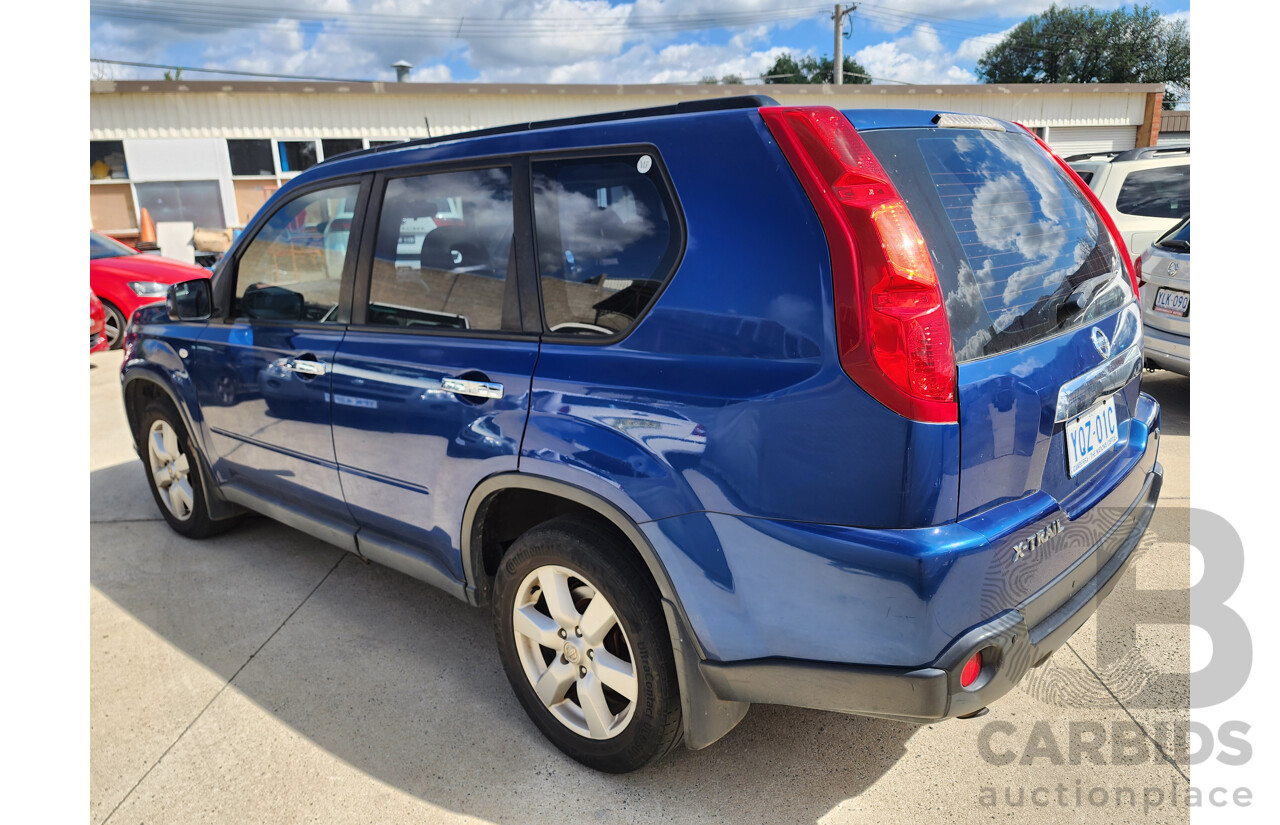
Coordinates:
1086	45
176	74
786	69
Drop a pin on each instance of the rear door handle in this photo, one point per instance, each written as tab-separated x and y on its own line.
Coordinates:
479	389
305	366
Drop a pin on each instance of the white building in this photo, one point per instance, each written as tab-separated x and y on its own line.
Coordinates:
212	152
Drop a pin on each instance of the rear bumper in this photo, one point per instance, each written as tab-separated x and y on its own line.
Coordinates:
1012	642
1167	350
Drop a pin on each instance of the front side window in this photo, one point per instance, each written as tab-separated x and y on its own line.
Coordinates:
1162	192
292	269
443	255
606	241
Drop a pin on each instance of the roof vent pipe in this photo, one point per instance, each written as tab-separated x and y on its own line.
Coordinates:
402	68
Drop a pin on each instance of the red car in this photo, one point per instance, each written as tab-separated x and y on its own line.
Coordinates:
125	279
97	325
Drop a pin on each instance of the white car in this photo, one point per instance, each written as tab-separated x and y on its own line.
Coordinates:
1164	276
1146	190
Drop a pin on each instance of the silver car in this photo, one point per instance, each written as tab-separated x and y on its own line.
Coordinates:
1164	274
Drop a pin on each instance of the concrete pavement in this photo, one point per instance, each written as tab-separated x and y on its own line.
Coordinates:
263	676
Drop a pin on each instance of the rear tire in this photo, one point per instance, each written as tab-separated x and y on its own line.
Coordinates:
584	643
171	463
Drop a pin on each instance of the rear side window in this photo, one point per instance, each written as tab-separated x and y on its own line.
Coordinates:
607	240
1162	192
1087	177
1020	253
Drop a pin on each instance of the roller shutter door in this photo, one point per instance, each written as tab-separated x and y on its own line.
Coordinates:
1076	140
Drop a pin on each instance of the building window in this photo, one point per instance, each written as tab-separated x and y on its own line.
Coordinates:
337	146
250	157
197	201
297	155
106	160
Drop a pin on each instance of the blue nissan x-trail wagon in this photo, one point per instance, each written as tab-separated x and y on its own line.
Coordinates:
711	404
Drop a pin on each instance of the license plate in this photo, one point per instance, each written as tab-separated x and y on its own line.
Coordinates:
1090	435
1173	302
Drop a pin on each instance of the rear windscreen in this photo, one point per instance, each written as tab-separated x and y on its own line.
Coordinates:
1020	253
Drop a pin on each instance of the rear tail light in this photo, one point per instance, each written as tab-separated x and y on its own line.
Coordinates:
1121	248
1137	268
891	323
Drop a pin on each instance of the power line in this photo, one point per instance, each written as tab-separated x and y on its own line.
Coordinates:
170	67
224	16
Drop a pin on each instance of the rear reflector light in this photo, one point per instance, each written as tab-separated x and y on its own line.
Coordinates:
1121	248
971	670
892	331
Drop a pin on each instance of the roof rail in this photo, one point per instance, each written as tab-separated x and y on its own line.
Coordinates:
715	104
1087	155
1148	152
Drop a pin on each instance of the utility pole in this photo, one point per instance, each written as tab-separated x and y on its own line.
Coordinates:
838	66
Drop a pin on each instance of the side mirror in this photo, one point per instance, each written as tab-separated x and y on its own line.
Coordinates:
190	300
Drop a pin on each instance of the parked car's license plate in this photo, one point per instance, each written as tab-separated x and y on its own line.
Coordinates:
1090	435
1172	302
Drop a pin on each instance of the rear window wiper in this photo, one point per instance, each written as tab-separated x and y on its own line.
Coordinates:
1176	244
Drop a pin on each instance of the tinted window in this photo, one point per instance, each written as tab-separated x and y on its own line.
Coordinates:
1164	192
1012	237
100	246
1087	177
297	155
605	241
250	157
443	255
1178	238
292	269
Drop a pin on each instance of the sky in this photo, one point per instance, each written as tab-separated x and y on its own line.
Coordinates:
551	41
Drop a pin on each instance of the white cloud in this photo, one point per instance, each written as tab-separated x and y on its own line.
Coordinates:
972	48
918	57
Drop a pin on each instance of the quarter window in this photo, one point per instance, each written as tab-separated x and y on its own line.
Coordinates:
1162	192
292	269
605	241
443	255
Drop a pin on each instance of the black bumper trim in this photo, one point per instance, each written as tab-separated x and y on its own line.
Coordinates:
933	692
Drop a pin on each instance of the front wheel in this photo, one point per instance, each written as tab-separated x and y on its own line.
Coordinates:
173	473
584	644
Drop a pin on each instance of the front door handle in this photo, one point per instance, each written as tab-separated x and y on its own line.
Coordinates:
306	366
479	389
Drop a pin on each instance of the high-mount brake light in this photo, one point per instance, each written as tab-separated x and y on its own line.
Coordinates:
1121	248
892	330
